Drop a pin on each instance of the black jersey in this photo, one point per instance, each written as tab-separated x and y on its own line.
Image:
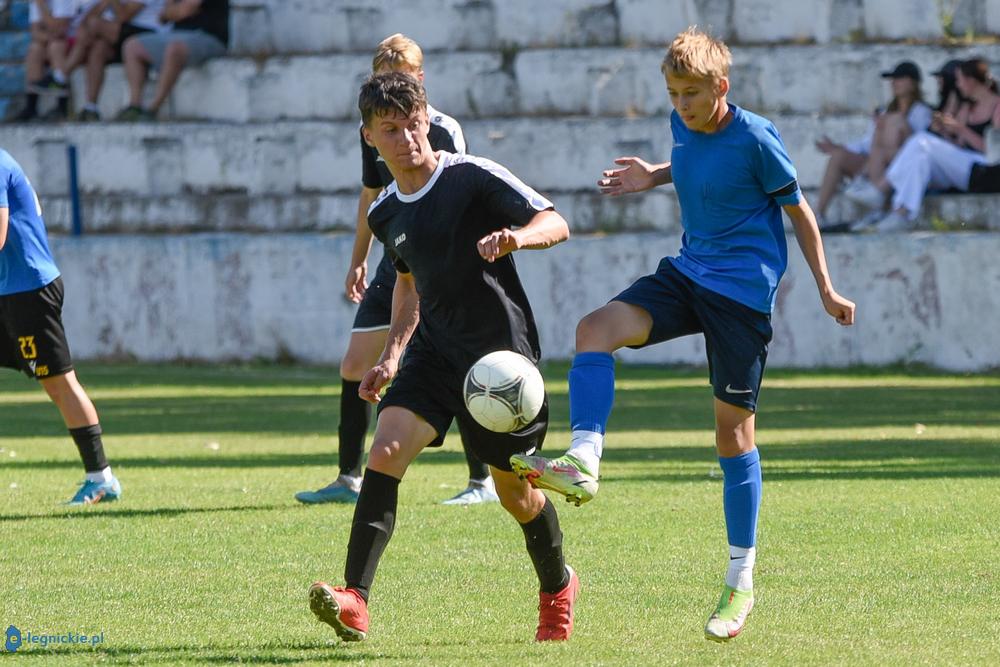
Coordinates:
468	306
445	134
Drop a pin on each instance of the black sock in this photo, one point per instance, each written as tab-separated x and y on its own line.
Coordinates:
88	441
63	105
374	518
32	104
478	471
544	541
355	415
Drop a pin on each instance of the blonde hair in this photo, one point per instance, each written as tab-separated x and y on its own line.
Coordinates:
397	52
694	53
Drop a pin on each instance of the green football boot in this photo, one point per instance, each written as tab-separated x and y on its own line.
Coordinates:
730	616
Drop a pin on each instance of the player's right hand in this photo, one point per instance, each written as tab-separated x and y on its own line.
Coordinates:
356	283
635	176
376	379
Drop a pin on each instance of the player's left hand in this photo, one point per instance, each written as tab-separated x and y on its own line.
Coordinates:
376	379
839	308
496	245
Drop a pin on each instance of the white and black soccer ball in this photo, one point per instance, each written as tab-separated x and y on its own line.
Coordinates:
504	391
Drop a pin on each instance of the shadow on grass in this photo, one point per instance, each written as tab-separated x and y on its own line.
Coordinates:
273	654
124	513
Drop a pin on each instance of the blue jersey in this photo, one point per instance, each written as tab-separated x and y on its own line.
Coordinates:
25	261
731	185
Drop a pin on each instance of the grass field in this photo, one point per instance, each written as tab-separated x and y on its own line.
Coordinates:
878	537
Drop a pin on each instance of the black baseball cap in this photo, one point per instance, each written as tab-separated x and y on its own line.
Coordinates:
904	70
948	69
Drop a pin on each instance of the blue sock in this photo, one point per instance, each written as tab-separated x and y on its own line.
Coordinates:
591	391
741	497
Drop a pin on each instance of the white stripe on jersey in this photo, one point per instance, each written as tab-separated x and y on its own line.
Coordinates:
537	201
450	125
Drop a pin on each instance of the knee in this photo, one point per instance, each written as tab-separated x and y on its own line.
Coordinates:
353	367
176	53
383	455
132	50
590	332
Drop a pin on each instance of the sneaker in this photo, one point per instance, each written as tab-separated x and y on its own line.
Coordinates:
343	609
565	475
555	611
475	493
134	114
730	616
48	85
91	493
339	491
862	191
865	223
88	116
26	115
893	222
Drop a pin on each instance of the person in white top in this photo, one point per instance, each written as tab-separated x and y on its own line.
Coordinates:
50	23
104	27
868	157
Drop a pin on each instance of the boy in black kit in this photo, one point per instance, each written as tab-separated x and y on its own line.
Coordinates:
446	222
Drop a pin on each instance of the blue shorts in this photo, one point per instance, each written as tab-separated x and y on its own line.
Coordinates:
736	336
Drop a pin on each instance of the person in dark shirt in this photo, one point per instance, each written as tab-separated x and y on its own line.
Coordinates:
450	223
200	32
395	53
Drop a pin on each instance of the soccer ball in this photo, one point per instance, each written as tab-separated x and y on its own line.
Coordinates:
504	391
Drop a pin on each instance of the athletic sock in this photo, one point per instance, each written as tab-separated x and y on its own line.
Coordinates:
374	519
59	76
101	476
355	416
740	573
543	538
479	472
587	447
88	441
90	106
591	395
350	481
741	491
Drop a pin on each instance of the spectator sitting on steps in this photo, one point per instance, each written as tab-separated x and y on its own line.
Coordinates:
100	38
200	32
50	23
867	158
943	160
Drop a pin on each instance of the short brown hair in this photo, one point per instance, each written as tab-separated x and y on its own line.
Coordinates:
389	92
694	53
397	52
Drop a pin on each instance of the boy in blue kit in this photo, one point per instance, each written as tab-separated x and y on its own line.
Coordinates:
32	338
733	178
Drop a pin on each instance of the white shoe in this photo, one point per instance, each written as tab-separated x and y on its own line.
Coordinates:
894	222
862	191
475	494
866	223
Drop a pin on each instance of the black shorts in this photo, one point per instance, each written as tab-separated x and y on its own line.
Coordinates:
127	30
736	336
32	338
375	310
430	387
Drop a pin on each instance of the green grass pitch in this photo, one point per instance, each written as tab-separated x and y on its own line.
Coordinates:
878	537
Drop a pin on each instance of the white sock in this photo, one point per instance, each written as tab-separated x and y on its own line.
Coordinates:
58	76
90	106
100	476
741	561
588	446
350	481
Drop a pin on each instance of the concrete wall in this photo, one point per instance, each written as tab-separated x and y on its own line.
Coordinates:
927	298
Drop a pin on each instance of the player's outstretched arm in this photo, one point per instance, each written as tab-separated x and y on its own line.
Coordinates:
635	175
807	234
356	283
4	221
405	315
544	230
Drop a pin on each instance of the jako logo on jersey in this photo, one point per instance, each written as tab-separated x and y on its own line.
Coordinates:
399	239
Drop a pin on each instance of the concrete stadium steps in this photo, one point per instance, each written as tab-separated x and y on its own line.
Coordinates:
297	26
610	82
303	176
922	298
